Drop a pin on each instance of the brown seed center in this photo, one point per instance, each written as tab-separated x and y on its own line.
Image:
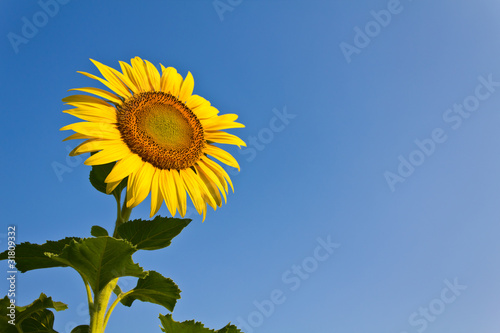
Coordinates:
161	130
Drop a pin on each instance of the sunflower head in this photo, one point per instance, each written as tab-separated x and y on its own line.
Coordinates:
161	136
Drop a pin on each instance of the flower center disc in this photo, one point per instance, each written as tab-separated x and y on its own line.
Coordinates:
161	130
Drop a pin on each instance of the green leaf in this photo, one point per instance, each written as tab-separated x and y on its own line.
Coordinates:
43	302
190	326
81	329
152	235
100	260
99	173
39	322
98	231
156	289
117	290
32	256
5	326
31	318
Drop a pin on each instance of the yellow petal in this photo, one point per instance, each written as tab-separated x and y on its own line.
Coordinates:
224	121
92	106
140	73
170	81
156	196
95	130
211	188
218	180
120	90
113	77
168	190
223	137
223	118
110	187
129	199
129	73
205	111
181	192
219	171
108	155
193	189
124	167
76	136
195	101
187	87
102	93
153	76
93	115
142	183
222	126
221	155
209	195
95	145
84	99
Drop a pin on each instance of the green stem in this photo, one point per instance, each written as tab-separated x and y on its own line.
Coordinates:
123	214
112	307
89	294
18	328
98	315
100	306
126	211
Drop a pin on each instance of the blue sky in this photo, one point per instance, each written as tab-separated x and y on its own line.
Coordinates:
332	158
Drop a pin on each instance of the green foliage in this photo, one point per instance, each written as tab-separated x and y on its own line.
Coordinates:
38	322
32	256
190	326
98	231
43	302
33	318
99	173
100	260
117	290
81	329
152	235
156	289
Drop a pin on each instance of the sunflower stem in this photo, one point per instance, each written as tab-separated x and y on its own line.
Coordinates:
98	315
123	213
113	305
99	309
89	293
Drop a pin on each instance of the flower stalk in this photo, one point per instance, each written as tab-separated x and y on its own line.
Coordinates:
99	312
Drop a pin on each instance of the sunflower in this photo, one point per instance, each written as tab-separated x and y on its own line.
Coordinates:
159	134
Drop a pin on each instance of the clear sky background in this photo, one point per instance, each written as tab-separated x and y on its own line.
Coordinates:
356	102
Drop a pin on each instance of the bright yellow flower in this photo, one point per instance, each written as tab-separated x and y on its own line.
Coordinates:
158	132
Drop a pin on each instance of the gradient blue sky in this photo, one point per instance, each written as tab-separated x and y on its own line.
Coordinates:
320	175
